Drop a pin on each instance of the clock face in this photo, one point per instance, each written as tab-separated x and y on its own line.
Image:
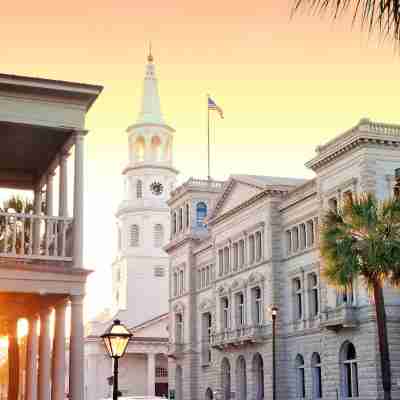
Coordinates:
156	188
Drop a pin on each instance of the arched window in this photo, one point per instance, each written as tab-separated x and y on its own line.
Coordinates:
134	235
258	246
158	235
201	213
300	378
241	378
139	189
139	149
316	376
209	394
258	368
226	379
225	313
240	314
179	383
156	148
349	370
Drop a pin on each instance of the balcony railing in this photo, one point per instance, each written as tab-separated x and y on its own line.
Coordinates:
35	236
342	316
241	336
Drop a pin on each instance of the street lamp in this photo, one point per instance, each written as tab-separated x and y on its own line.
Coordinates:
116	339
274	312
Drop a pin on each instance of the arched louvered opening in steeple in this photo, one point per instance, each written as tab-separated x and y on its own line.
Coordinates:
139	149
156	150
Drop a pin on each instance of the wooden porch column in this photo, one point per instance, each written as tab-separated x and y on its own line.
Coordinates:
44	356
31	359
58	365
13	361
63	203
76	361
49	195
37	209
78	200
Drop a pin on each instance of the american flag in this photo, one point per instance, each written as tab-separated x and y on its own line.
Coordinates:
213	106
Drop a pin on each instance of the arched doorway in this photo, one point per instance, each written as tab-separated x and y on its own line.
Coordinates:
226	379
258	368
241	378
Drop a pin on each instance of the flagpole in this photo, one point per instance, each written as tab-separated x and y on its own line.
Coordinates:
208	139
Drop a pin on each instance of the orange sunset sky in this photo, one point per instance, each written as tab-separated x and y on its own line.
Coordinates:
285	85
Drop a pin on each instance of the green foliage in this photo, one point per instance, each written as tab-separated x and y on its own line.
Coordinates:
362	239
378	15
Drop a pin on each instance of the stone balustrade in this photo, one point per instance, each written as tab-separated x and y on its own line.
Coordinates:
241	336
35	236
342	316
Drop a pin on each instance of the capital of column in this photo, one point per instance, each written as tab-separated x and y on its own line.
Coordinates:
80	133
77	299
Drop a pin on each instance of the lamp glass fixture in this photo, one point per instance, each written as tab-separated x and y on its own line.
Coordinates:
116	339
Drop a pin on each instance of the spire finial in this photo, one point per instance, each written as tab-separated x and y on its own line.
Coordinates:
150	56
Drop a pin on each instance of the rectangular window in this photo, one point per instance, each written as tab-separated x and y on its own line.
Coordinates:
298	299
206	337
241	253
181	283
313	293
226	260
235	256
225	313
295	238
258	246
302	236
240	312
208	275
175	284
221	262
310	233
251	249
179	328
288	236
257	306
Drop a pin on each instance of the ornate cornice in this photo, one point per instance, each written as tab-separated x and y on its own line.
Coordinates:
364	133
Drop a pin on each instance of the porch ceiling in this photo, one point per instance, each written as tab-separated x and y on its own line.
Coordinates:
26	152
22	305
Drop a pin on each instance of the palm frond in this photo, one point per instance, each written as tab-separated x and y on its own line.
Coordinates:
382	16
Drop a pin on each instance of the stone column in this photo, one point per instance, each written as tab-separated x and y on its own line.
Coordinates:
31	360
58	365
76	364
78	201
44	356
37	205
151	374
13	359
63	189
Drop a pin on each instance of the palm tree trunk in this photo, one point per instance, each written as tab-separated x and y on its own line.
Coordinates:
383	340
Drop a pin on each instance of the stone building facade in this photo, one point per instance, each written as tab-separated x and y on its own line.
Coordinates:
238	247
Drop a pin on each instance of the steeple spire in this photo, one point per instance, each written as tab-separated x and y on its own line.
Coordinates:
151	108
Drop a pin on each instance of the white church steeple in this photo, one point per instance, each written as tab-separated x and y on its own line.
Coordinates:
151	109
143	217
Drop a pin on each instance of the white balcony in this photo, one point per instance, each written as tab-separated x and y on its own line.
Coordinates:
241	336
35	236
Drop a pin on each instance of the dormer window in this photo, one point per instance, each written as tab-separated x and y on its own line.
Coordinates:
201	213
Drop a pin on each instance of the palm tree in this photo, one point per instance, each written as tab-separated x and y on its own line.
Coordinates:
380	15
362	239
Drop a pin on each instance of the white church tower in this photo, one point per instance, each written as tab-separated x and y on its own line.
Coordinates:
140	272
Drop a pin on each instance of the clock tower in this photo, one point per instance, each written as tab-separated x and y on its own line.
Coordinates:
140	271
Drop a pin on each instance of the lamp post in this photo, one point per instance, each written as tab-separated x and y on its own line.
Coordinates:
274	312
116	339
